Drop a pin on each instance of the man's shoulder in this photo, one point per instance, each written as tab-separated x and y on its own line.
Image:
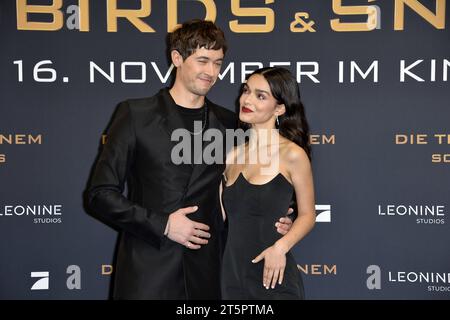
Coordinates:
143	104
140	103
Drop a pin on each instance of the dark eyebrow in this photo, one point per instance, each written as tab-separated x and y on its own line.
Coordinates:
207	58
263	91
245	86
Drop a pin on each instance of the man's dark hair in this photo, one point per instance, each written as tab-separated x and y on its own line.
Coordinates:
194	34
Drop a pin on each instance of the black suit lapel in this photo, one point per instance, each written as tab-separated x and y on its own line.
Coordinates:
170	118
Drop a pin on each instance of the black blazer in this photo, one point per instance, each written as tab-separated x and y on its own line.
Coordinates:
138	151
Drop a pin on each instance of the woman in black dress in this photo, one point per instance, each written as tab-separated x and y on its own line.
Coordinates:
259	182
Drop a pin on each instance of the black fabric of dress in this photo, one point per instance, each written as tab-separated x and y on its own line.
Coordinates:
252	211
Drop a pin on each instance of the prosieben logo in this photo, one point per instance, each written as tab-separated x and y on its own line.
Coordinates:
323	213
43	280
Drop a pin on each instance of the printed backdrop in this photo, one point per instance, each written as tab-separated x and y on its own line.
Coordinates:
374	78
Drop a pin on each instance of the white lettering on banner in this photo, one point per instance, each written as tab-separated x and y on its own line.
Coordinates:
416	210
41	214
373	68
433	214
32	210
137	72
406	70
427	277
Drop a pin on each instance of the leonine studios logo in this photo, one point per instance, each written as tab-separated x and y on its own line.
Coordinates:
38	213
421	214
431	281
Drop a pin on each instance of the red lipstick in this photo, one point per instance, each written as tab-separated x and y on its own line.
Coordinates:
246	110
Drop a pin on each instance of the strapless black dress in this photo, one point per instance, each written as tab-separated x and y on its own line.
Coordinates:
252	211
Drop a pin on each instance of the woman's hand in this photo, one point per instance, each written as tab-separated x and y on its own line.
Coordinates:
274	265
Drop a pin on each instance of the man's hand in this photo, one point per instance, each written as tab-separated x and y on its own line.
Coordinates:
185	231
285	223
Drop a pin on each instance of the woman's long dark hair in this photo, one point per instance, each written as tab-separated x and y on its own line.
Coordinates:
284	88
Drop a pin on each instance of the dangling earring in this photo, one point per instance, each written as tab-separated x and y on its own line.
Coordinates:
278	121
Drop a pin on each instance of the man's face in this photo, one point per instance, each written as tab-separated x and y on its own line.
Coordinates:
198	72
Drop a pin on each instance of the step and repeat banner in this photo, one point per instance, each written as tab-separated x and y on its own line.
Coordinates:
374	78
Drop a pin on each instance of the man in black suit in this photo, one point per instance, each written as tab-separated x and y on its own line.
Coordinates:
171	223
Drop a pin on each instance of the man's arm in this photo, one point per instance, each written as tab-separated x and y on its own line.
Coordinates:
284	224
104	195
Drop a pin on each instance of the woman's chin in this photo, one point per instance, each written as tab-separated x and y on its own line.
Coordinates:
245	118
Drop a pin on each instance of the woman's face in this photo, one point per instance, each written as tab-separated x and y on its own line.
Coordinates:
257	105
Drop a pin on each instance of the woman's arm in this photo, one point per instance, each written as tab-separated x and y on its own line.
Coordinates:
299	170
